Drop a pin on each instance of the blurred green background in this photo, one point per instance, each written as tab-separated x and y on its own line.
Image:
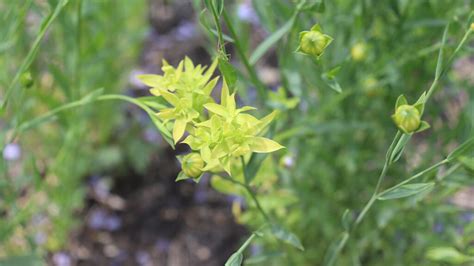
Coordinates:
53	53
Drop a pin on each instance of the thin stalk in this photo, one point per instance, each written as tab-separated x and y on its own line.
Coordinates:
77	59
387	163
261	89
415	176
220	37
252	195
446	67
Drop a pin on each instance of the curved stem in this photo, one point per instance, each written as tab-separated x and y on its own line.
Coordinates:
252	195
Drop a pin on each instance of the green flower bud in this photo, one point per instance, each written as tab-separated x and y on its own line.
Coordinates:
26	80
313	42
407	118
192	164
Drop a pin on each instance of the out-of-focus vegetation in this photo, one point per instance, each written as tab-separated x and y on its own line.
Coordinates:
60	60
339	132
53	53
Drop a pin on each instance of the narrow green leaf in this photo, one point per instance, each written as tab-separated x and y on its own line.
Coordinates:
229	73
401	100
346	220
330	79
33	50
399	148
254	165
405	191
462	149
271	40
467	162
439	64
154	102
226	37
287	237
261	259
235	260
218	6
181	176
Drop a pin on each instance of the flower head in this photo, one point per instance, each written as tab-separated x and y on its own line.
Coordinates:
314	41
218	133
229	134
192	165
408	117
186	88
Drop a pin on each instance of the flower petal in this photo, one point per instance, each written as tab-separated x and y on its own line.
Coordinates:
216	109
264	145
178	129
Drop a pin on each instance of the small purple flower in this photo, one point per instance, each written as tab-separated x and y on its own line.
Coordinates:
101	220
151	135
143	258
134	81
12	152
438	227
62	259
162	245
467	217
185	31
40	238
256	249
246	13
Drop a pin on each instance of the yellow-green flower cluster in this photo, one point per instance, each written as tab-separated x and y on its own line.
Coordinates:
218	133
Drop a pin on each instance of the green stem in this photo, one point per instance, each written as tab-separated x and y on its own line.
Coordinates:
261	88
220	37
77	65
252	195
446	67
415	176
26	63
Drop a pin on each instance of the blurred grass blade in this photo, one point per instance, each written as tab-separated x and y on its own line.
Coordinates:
462	149
51	114
33	50
271	40
439	64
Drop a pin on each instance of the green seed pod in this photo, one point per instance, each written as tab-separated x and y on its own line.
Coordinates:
407	118
313	42
26	80
192	164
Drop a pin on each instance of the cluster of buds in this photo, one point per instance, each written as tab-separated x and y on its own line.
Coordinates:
218	133
408	117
